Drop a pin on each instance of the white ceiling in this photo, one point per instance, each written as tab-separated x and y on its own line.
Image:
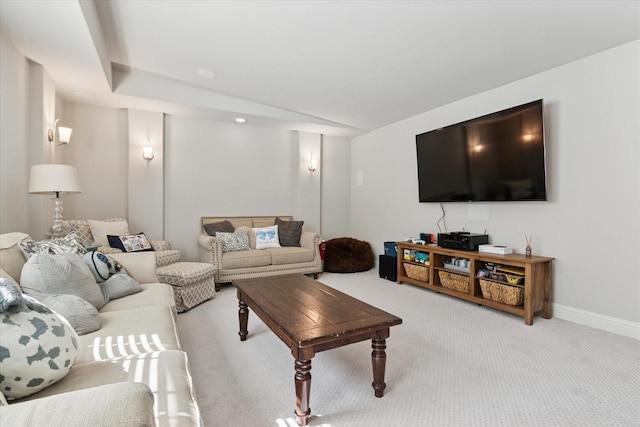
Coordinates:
333	67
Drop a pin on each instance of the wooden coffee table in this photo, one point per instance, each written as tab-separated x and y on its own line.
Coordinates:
311	317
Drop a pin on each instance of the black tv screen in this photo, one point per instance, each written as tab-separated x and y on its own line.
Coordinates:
497	157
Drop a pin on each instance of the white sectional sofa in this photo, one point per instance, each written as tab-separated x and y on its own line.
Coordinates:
131	371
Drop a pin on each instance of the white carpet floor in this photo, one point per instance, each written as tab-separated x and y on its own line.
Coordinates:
451	363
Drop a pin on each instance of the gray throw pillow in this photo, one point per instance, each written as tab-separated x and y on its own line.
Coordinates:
289	232
81	315
119	285
218	227
61	274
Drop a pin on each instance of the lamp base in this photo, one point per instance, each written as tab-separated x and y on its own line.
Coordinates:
59	228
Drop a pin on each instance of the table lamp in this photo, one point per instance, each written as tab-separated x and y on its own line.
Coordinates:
54	178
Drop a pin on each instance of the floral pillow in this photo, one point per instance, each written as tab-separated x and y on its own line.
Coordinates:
130	243
67	244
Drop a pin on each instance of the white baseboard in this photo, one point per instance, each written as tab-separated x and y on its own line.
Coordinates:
597	321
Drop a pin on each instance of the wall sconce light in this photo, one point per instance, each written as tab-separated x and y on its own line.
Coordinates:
63	132
147	152
527	137
313	165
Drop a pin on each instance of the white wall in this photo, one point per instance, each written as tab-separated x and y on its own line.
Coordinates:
14	162
336	188
219	169
99	150
309	196
146	179
592	113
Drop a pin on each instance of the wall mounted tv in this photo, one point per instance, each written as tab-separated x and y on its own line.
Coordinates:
497	157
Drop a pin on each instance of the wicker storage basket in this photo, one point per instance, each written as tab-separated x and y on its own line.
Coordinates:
457	282
503	293
417	272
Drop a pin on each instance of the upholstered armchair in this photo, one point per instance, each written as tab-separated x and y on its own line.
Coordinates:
192	282
83	231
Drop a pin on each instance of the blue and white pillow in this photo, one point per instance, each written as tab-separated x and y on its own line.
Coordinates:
267	237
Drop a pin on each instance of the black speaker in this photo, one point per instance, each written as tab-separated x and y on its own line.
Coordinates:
388	267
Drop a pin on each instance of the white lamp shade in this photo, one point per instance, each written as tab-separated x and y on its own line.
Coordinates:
54	178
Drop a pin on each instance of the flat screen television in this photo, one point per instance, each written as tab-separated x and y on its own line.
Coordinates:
496	157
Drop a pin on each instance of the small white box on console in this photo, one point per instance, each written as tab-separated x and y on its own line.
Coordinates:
495	249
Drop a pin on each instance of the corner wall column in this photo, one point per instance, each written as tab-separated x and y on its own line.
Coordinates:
146	178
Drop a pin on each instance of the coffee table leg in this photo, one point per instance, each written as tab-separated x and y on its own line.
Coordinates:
243	316
303	388
378	360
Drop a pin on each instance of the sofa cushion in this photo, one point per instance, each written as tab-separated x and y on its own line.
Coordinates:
67	244
61	274
130	243
165	372
155	294
244	259
290	255
119	404
100	230
233	242
289	232
222	227
36	350
131	332
267	237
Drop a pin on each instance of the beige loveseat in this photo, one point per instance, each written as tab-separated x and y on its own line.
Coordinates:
253	263
131	371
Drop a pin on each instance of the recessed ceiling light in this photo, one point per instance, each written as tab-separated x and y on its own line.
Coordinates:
82	94
240	119
206	73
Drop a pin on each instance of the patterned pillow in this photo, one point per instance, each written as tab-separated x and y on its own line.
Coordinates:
267	237
218	227
37	348
289	232
67	244
233	242
131	243
102	266
81	229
